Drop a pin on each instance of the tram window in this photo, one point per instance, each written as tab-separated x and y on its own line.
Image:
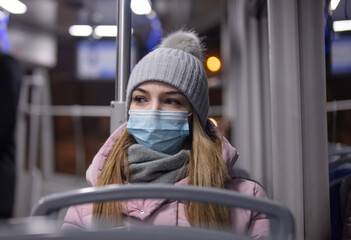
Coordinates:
338	49
341	60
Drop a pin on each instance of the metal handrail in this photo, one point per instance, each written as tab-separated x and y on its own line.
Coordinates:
281	220
68	110
340	105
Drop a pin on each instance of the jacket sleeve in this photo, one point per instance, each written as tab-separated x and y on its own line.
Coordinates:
74	218
259	222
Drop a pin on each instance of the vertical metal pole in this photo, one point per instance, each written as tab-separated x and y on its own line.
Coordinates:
34	134
287	159
22	205
47	133
244	83
254	82
314	119
237	87
118	111
123	49
299	129
266	105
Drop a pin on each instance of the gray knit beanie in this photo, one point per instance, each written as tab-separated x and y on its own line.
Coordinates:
178	62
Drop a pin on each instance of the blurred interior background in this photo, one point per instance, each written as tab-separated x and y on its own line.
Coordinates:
67	52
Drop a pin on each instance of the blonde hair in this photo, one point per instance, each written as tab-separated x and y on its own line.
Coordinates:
206	169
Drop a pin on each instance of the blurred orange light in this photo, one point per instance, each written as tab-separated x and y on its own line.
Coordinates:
213	64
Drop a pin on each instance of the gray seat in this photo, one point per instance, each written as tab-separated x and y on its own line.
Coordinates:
345	206
281	220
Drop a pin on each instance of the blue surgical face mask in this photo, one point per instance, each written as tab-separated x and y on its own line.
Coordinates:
162	131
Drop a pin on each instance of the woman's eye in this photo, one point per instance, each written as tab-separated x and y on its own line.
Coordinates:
172	102
139	99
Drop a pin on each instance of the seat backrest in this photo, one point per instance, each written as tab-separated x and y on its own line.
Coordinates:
340	161
345	189
281	220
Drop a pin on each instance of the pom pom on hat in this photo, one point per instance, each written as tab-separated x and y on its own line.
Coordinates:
177	61
186	41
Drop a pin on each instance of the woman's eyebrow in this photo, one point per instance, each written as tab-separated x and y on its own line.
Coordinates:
173	92
141	90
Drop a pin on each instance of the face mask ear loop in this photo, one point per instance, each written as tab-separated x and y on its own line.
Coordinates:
190	118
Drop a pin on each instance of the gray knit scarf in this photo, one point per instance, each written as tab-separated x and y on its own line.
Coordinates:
147	165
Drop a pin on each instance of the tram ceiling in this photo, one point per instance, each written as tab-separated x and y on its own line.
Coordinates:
56	16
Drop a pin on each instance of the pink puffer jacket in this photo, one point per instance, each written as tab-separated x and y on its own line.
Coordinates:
163	212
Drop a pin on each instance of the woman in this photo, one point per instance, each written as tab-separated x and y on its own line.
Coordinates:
168	139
